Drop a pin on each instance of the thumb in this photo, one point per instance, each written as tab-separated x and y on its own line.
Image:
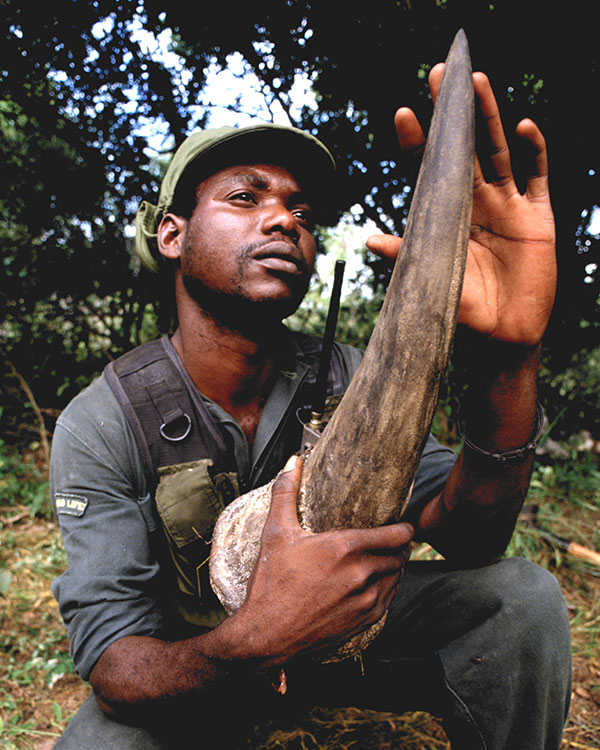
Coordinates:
284	494
385	245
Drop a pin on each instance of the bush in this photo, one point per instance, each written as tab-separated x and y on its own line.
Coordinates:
22	483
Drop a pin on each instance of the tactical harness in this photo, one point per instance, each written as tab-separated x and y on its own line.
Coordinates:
189	461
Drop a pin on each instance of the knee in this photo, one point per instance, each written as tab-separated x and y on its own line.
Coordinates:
531	602
514	586
528	588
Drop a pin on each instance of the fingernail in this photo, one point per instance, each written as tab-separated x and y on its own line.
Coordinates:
290	463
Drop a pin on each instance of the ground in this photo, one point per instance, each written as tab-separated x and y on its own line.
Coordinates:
39	692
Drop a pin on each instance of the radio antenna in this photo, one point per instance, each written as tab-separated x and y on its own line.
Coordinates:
318	406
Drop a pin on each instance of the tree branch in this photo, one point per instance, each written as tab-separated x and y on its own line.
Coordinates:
38	413
266	78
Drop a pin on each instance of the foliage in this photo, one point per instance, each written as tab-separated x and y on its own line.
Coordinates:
573	394
351	57
22	483
91	106
359	304
561	490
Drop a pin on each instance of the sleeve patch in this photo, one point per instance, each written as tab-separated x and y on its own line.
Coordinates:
68	504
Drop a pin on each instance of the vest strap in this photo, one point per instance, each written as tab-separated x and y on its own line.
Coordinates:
173	426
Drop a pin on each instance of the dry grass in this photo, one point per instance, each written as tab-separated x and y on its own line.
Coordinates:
38	692
343	729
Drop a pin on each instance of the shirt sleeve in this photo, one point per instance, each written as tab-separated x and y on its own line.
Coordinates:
106	519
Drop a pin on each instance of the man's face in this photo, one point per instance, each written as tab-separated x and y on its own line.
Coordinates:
249	241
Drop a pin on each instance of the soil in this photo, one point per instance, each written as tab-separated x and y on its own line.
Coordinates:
43	712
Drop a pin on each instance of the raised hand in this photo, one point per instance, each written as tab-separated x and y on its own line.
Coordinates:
510	277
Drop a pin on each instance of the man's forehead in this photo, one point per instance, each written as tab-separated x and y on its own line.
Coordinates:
259	175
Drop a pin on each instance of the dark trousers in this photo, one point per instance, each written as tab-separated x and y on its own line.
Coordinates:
488	650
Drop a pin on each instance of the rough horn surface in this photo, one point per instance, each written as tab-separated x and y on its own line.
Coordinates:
377	433
361	471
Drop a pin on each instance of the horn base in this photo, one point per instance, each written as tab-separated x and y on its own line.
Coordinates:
235	549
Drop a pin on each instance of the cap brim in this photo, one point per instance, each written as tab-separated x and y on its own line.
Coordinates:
302	155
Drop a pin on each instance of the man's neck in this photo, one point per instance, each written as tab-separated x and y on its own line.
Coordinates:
232	368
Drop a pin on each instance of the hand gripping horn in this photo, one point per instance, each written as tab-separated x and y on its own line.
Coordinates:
360	472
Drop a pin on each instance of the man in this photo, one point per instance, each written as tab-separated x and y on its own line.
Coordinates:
485	644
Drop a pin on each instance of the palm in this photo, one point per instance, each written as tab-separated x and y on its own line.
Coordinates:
510	278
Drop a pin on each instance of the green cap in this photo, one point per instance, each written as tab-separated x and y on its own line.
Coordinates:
209	151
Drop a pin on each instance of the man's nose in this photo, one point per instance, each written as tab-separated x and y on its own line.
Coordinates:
277	217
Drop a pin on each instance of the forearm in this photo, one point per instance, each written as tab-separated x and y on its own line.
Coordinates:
307	594
472	520
145	680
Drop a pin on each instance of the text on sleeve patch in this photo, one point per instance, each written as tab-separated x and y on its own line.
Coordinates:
69	504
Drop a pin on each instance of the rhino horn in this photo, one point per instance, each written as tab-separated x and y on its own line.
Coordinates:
361	471
365	462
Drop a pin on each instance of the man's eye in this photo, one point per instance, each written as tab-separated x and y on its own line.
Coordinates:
243	195
304	215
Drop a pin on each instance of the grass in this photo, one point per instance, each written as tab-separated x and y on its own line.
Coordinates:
39	692
33	647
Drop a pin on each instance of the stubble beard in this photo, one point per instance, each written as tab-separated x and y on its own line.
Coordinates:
234	308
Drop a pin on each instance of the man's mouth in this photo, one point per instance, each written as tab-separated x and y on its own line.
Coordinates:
281	257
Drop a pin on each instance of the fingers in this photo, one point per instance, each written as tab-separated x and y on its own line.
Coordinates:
493	150
383	557
385	245
492	147
435	79
381	540
537	168
494	162
493	155
410	134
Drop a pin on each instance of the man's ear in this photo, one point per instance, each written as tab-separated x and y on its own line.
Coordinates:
170	236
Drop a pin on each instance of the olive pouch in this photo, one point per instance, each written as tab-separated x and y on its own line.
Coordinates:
189	499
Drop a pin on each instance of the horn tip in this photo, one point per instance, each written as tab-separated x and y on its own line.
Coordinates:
460	44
